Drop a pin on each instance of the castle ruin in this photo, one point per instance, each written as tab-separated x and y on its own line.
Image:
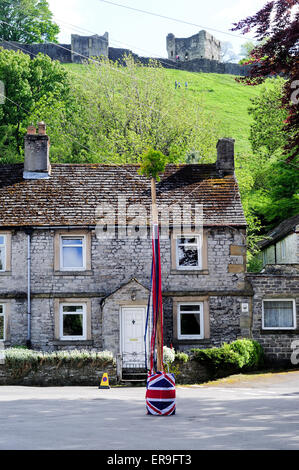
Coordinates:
200	46
89	46
199	53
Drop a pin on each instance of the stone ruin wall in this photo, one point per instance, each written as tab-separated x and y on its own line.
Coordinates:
89	46
200	46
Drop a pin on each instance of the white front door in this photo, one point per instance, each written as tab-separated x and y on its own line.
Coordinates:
132	336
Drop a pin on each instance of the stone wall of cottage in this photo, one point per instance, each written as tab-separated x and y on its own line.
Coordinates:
115	263
276	283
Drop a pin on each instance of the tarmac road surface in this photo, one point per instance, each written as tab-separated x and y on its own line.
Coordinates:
251	412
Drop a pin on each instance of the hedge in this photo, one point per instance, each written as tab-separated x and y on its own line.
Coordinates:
240	355
20	358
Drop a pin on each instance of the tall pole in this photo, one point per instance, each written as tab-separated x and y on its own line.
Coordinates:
159	331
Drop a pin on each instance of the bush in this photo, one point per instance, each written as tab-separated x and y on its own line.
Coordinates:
181	357
21	359
242	354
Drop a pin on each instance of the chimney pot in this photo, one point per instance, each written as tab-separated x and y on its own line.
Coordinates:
31	130
42	128
226	156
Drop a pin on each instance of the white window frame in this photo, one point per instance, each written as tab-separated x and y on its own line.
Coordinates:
5	253
75	237
3	314
84	321
279	327
199	251
201	313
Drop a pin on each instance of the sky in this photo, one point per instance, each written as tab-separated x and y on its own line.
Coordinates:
146	34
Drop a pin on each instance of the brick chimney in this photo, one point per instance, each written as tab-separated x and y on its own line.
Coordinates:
226	156
37	149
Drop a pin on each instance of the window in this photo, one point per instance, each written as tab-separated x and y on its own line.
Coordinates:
279	314
2	252
72	251
283	249
190	321
73	321
73	254
188	252
2	322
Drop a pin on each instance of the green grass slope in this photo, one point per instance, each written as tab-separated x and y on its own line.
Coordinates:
225	97
219	94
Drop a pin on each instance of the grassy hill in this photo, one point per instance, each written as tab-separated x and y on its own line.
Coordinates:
225	97
217	93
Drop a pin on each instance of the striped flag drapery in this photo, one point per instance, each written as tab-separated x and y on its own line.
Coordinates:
160	388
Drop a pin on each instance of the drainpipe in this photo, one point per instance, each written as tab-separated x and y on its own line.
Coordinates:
28	342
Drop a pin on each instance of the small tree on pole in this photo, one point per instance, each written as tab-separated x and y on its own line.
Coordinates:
153	163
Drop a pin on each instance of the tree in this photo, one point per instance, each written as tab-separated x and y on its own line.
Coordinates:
272	193
227	52
122	111
267	132
27	82
276	28
27	21
245	51
152	163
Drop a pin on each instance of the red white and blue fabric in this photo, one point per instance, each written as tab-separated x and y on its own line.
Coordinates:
160	389
160	394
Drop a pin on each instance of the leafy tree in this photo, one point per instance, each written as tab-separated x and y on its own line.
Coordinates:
270	191
276	28
121	112
152	163
267	132
27	82
245	51
27	21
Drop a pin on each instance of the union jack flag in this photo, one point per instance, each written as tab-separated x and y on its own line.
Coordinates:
160	388
160	394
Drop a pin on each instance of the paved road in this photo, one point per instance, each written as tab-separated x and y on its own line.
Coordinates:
235	413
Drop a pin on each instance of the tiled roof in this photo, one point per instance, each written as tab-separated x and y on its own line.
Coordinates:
282	230
73	192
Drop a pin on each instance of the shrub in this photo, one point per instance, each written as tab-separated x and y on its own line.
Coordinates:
242	354
21	359
181	357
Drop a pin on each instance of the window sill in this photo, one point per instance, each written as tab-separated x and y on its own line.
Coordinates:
64	342
192	341
279	331
189	271
5	273
73	273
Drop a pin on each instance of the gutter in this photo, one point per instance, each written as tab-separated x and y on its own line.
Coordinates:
29	233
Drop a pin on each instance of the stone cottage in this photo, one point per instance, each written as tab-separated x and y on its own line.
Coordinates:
75	255
275	300
281	244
